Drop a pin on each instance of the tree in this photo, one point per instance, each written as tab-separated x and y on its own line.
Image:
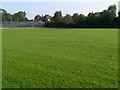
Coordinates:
97	19
9	17
105	18
68	19
81	20
90	20
112	11
108	16
5	16
58	18
112	8
20	16
75	17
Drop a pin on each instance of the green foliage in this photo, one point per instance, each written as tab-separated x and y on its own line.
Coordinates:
80	20
58	18
5	16
106	18
97	15
20	16
75	17
2	11
68	19
60	58
112	8
112	11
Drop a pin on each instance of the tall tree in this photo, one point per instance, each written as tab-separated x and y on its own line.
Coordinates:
112	8
75	17
58	17
20	16
81	20
5	16
108	16
112	11
90	19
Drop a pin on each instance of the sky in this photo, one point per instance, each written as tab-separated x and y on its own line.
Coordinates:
37	7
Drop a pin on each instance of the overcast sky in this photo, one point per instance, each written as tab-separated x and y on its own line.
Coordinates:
34	7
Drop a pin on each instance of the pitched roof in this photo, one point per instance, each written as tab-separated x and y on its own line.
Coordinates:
48	17
68	15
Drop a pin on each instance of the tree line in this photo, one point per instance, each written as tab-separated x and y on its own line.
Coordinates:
105	18
7	17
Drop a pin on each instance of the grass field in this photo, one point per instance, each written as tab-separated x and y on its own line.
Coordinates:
75	58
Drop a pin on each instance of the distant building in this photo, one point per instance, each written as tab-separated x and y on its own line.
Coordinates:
37	18
68	15
46	18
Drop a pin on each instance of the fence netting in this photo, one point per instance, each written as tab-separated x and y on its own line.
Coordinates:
22	24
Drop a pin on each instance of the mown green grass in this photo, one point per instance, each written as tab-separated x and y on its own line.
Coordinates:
65	58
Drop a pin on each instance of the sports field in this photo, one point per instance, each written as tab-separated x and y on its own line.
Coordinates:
60	58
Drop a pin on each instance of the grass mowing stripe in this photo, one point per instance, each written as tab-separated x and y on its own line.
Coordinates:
50	57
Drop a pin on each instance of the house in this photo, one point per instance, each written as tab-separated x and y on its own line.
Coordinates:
37	18
68	15
46	18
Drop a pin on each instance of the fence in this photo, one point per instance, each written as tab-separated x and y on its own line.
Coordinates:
22	24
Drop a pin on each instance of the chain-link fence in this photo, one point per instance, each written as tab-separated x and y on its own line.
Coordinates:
22	24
